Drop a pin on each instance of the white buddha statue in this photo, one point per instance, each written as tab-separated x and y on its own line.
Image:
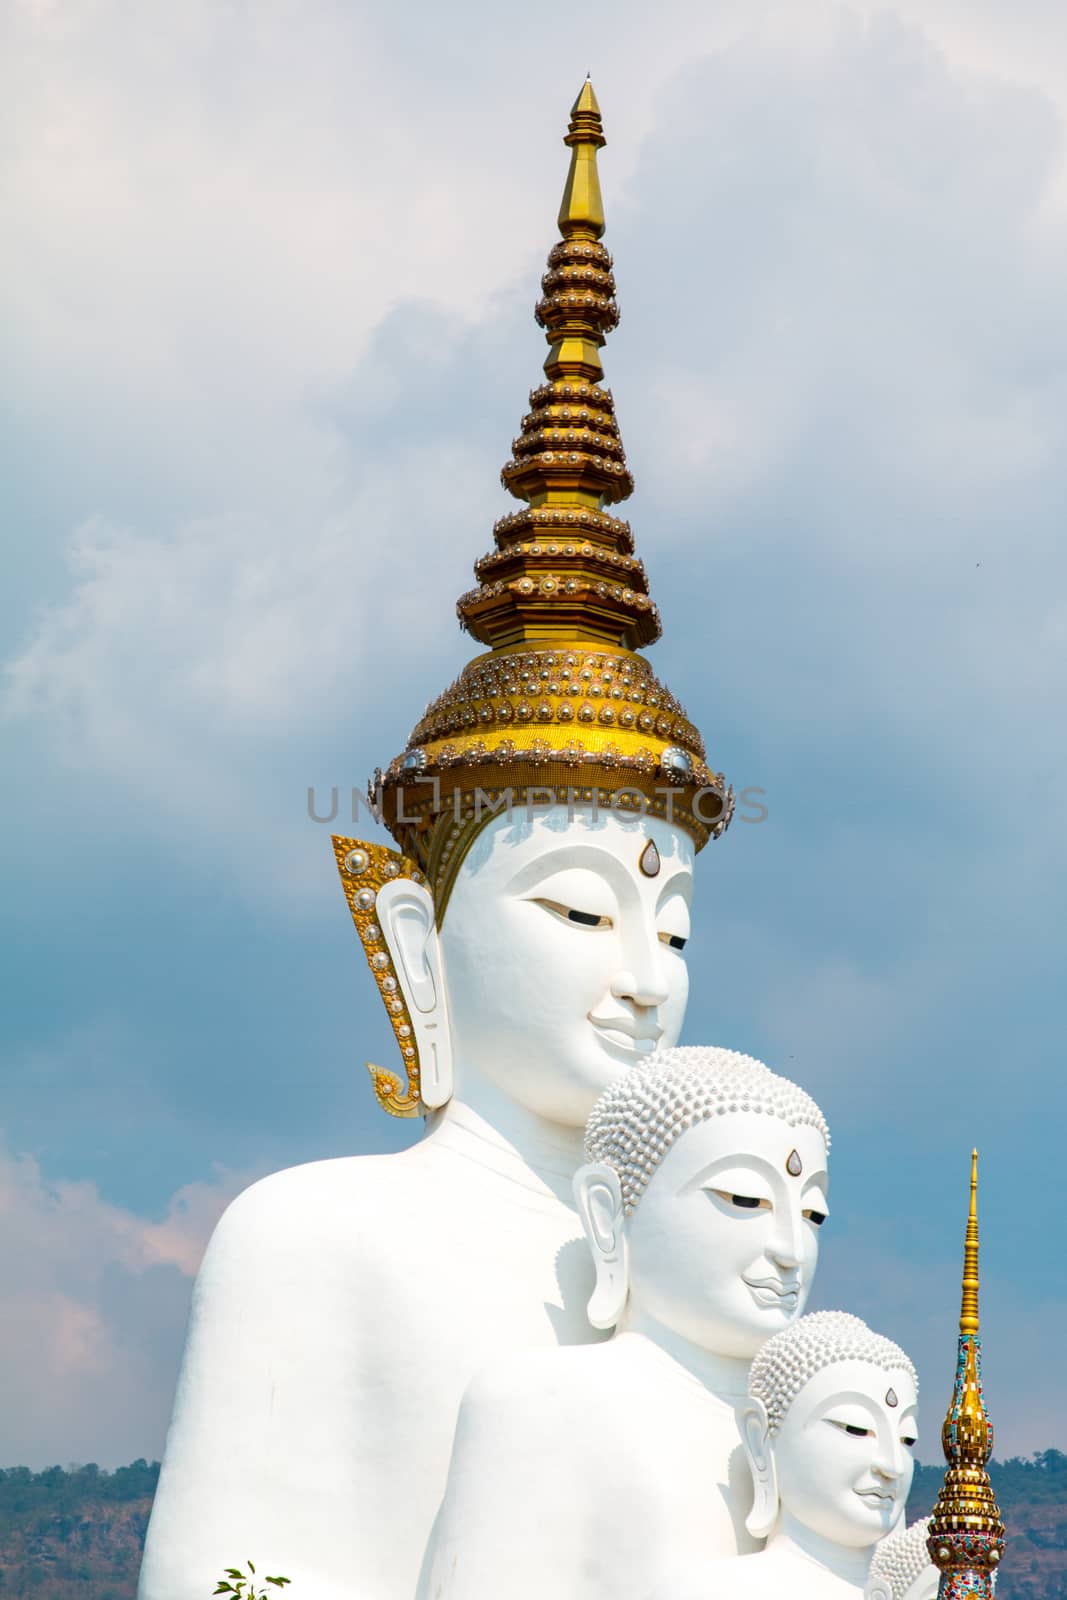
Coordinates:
590	1471
526	959
901	1568
828	1432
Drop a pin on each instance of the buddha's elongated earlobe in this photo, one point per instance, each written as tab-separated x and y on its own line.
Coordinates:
406	966
406	913
756	1438
599	1200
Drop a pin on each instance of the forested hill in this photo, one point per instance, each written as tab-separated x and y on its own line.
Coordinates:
77	1534
74	1535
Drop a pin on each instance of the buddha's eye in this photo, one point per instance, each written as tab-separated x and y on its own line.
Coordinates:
851	1427
816	1218
584	919
743	1202
909	1439
673	940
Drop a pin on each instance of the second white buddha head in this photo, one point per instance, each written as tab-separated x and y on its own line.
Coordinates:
702	1199
829	1429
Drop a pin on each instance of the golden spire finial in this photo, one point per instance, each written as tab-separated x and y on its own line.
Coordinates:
581	211
966	1538
969	1306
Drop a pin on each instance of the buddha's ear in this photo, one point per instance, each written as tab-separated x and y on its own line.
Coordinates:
756	1439
599	1200
406	914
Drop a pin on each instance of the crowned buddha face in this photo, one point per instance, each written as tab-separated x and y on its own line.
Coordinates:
559	960
843	1452
563	953
722	1246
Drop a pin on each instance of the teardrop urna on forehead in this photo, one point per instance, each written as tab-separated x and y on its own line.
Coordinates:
527	939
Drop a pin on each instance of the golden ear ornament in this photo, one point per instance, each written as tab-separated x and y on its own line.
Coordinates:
365	869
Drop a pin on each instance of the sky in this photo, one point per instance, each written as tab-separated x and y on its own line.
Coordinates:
267	335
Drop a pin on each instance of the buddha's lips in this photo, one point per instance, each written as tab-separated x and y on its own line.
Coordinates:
628	1034
772	1286
876	1494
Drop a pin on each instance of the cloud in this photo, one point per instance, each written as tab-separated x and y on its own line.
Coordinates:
183	665
271	271
95	1299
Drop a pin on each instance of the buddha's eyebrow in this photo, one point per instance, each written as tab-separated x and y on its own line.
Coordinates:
575	855
679	882
736	1158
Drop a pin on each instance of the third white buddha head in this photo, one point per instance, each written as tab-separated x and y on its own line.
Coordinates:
703	1197
829	1429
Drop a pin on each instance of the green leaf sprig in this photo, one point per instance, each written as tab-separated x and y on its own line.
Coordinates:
242	1585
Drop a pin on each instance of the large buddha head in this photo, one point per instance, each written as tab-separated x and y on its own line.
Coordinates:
828	1431
702	1199
547	806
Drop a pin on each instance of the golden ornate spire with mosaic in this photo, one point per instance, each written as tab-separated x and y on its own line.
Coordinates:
966	1537
561	707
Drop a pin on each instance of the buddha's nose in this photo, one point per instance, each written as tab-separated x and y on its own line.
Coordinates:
640	988
889	1463
784	1248
640	977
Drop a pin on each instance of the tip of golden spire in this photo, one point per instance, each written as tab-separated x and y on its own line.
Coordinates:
587	100
581	211
969	1306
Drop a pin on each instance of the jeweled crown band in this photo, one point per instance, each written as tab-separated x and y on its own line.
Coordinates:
571	685
573	724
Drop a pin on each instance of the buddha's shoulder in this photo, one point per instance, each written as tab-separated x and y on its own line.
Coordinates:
564	1377
359	1197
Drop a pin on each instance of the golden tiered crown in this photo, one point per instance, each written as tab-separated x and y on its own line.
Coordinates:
966	1534
561	703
